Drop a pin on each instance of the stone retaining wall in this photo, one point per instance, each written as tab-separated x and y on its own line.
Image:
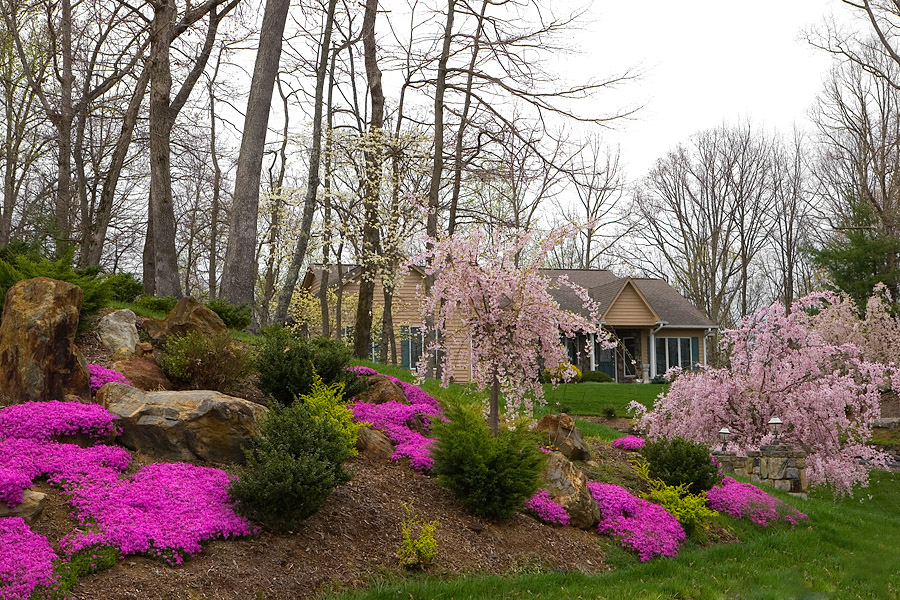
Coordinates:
778	465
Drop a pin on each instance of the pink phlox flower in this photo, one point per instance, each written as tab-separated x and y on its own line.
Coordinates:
743	500
629	442
544	508
101	375
26	560
41	421
647	528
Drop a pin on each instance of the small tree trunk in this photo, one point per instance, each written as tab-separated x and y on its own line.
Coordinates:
494	416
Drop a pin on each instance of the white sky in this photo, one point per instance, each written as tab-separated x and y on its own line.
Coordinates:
705	62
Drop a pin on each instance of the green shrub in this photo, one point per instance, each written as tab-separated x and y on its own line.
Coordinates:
679	461
491	476
691	510
596	376
96	292
235	317
288	364
292	467
609	412
206	363
163	304
327	402
124	287
659	379
416	551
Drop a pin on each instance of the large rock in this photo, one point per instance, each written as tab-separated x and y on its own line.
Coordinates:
567	485
118	333
380	390
38	357
188	316
374	444
191	425
143	372
562	433
29	509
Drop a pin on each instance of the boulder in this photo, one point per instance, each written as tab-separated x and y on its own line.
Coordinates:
188	316
562	433
30	509
191	425
567	485
143	373
374	444
381	390
38	357
118	333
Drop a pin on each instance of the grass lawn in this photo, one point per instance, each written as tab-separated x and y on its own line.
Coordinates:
847	550
594	399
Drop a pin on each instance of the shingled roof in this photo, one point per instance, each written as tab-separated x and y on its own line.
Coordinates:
604	287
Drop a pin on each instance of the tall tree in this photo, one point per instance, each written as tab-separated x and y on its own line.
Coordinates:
315	157
374	154
164	29
239	271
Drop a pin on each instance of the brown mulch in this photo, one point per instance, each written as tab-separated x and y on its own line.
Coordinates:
350	540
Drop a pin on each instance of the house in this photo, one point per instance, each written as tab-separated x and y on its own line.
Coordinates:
656	327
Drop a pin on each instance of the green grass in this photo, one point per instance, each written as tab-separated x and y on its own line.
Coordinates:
138	310
592	399
848	550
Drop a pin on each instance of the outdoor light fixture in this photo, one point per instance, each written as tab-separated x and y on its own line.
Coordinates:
723	435
775	423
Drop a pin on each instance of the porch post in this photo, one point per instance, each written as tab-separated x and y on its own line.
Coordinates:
593	351
652	354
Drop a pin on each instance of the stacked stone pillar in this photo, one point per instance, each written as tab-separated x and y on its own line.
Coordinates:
778	465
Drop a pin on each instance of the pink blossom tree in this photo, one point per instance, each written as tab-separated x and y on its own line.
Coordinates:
494	295
792	365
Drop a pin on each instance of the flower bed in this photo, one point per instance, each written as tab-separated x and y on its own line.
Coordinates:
393	418
643	526
164	510
101	375
542	506
26	560
743	500
40	421
629	442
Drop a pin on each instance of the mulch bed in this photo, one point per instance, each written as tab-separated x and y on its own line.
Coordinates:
351	540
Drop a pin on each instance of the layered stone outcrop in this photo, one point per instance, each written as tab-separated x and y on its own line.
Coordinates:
188	316
567	485
561	432
177	426
38	356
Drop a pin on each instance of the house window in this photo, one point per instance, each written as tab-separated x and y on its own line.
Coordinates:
676	352
410	346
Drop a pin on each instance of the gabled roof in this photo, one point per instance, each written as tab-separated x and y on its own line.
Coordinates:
604	287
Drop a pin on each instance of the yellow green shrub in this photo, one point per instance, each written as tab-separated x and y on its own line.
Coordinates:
691	510
327	403
416	551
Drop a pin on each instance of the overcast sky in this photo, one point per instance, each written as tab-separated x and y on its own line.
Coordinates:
705	62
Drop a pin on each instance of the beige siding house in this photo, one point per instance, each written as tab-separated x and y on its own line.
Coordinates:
655	327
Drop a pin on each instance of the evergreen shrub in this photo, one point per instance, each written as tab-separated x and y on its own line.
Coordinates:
288	364
492	476
678	461
234	316
293	466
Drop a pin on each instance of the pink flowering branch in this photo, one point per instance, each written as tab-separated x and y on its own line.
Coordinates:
494	297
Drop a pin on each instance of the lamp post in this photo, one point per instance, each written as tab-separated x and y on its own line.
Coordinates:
775	423
723	435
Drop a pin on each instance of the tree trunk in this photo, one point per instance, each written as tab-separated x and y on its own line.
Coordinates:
64	119
239	273
95	235
312	183
362	332
161	203
494	415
